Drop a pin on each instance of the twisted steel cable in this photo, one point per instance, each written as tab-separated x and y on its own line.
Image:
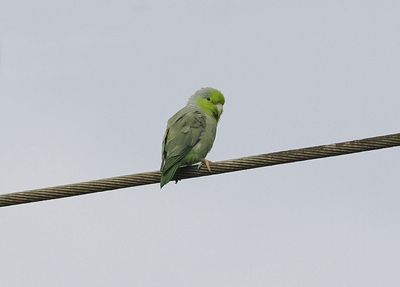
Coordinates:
243	163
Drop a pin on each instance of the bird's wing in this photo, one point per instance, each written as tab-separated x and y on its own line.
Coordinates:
183	133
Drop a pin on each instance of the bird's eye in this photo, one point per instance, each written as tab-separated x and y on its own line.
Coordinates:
208	99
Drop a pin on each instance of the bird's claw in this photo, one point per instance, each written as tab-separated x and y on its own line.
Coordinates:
207	164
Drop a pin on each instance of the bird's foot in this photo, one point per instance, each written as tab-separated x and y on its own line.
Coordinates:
207	163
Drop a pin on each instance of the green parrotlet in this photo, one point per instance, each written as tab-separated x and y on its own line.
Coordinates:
191	132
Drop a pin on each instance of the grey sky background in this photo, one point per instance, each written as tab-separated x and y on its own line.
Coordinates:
87	87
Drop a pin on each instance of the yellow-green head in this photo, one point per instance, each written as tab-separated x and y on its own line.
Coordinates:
210	101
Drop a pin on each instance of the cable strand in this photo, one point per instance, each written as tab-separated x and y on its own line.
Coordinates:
232	165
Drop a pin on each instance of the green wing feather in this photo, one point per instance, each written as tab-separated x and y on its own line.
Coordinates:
183	133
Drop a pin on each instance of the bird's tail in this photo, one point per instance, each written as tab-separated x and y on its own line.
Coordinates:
167	175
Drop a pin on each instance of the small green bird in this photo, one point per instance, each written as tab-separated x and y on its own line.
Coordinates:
191	132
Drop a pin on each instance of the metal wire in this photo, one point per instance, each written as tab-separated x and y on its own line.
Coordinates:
243	163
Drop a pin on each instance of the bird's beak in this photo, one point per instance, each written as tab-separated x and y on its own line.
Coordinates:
220	109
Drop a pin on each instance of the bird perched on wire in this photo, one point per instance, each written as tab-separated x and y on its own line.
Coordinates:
191	133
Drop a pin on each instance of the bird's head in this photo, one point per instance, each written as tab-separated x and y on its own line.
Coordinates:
210	101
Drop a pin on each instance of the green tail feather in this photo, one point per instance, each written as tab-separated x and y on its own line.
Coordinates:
167	175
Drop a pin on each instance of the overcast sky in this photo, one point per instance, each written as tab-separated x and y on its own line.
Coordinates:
86	89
